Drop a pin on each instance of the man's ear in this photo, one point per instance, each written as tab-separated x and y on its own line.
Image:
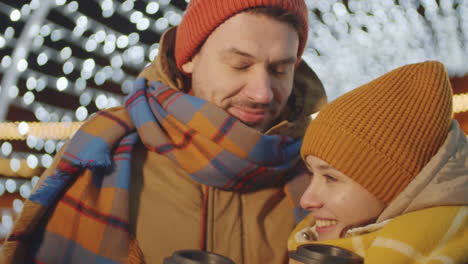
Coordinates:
188	67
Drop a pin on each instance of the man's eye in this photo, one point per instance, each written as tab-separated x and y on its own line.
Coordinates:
240	66
329	178
280	70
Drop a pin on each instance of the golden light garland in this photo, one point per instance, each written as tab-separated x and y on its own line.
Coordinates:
460	103
42	130
24	171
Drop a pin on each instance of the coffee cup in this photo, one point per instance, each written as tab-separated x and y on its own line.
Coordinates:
196	257
323	254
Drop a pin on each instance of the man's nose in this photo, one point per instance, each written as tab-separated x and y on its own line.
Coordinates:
312	198
259	88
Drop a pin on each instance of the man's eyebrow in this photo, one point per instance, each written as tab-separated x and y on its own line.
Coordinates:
290	60
239	52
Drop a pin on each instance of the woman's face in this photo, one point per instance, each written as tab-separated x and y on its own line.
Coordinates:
336	201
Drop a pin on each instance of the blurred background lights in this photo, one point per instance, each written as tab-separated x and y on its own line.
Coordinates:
127	5
49	146
101	101
9	33
162	24
136	16
38	41
23	128
85	98
39	143
80	84
13	91
7	221
6	148
143	24
57	35
18	204
83	56
22	65
89	64
32	161
72	7
10	184
91	45
60	2
42	59
107	4
100	36
28	98
82	21
31	141
34	181
68	67
100	78
15	15
122	42
25	190
31	83
46	160
62	83
133	38
164	2
2	42
152	8
6	61
25	10
81	113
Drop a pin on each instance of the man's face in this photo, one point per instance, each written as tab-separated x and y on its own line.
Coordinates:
336	201
246	67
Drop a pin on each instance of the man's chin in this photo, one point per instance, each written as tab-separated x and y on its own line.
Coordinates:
260	127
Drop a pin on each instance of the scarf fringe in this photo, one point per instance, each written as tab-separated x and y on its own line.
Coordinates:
49	190
15	249
135	255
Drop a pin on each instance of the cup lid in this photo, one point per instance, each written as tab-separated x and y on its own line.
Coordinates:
324	254
196	257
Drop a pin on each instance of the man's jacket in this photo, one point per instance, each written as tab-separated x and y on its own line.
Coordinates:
170	211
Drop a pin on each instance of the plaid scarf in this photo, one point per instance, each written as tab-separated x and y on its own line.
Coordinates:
90	186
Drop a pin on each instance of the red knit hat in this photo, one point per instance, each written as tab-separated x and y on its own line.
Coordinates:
204	16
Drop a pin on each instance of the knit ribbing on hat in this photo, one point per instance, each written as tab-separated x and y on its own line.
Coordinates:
204	16
383	133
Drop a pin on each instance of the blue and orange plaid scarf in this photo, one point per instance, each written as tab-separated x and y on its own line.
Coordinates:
89	188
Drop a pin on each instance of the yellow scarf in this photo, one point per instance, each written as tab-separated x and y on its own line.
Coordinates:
434	235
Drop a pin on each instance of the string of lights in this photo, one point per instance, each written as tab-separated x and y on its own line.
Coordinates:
63	60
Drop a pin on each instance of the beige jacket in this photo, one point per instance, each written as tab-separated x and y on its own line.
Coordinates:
166	204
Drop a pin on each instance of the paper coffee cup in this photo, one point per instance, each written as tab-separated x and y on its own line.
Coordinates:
323	254
196	257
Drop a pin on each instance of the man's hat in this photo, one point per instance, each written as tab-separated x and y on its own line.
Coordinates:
204	16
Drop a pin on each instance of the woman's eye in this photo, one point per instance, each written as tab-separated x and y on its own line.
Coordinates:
241	68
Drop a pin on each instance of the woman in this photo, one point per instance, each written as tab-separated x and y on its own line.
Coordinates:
389	171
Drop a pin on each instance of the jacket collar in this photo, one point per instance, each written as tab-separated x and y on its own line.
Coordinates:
443	181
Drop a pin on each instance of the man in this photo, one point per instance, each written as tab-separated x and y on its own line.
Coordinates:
219	117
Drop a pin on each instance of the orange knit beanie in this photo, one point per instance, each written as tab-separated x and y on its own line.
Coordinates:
204	16
383	133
